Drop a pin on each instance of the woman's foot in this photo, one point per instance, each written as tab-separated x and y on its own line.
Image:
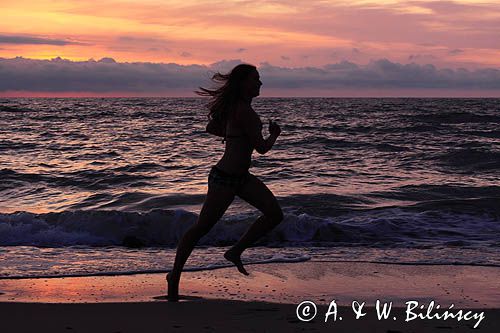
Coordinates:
172	289
235	259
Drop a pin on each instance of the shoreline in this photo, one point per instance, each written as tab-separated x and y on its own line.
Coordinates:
161	271
223	300
471	286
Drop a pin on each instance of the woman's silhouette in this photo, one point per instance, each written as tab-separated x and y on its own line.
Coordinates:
231	104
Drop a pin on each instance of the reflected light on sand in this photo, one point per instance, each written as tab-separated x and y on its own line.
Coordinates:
466	286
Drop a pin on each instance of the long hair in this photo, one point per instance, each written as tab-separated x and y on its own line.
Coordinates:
224	97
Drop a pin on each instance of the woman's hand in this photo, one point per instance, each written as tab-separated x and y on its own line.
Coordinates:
274	128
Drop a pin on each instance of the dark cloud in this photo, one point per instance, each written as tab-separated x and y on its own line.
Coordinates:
107	75
455	51
417	57
343	65
241	49
379	74
105	61
6	39
285	58
185	54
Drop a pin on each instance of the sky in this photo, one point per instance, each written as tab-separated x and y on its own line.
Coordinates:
301	47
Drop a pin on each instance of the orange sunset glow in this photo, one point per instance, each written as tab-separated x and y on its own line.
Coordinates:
287	34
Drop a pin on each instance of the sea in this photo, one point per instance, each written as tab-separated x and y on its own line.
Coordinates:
105	186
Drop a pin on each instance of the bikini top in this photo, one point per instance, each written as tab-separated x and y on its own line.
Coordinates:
232	136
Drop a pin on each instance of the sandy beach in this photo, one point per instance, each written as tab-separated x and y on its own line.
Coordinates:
222	300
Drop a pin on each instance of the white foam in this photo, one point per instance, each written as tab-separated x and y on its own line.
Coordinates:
165	228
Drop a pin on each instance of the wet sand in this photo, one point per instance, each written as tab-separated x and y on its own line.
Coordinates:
224	300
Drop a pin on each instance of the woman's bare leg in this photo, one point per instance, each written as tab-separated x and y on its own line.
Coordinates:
216	203
258	195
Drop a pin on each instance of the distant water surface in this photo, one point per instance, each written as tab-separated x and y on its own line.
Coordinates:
391	180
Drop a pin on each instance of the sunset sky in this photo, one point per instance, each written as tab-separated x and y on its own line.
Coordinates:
302	47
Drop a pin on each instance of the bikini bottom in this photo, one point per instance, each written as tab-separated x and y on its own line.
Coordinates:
219	177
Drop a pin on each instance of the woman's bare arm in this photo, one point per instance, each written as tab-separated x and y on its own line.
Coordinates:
252	126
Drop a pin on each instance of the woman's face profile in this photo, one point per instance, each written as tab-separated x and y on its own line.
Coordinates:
251	85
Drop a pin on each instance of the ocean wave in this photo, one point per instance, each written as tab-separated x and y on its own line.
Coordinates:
9	108
449	194
14	145
470	159
87	178
424	225
495	134
455	117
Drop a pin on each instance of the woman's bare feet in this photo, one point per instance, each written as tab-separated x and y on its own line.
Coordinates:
172	289
235	259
